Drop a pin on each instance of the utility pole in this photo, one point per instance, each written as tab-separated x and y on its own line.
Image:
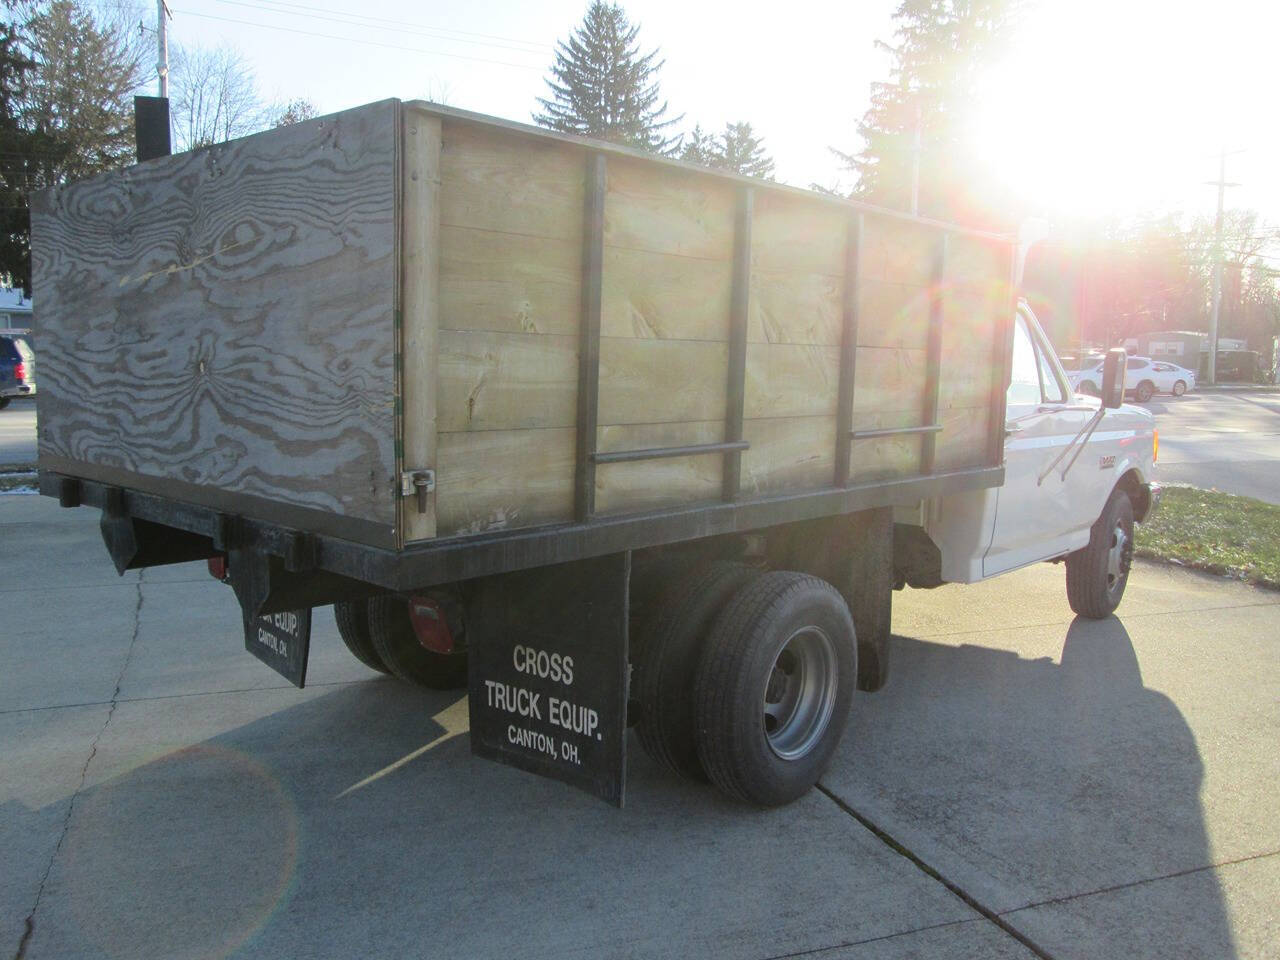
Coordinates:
1216	298
162	45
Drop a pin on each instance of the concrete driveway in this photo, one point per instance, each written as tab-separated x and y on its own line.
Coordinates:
1027	785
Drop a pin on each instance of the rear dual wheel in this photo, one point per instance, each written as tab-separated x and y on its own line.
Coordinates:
380	634
774	687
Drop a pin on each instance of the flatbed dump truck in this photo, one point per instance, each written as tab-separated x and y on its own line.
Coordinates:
607	439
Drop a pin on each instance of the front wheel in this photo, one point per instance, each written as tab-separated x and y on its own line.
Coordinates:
4	402
774	686
1145	390
1088	388
1179	388
1097	573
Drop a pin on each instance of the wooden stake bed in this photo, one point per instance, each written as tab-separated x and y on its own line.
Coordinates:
289	327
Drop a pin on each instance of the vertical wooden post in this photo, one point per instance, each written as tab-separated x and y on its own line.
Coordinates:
419	311
589	336
1001	360
739	303
933	361
848	346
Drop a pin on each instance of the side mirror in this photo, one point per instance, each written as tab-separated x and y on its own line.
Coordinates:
1113	369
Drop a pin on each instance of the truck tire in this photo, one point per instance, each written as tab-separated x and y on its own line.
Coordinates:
666	657
397	646
4	402
1179	388
352	617
1144	391
774	686
1097	573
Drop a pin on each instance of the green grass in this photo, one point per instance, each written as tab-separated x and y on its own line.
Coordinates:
1217	532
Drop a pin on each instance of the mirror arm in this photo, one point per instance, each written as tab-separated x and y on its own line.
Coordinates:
1082	437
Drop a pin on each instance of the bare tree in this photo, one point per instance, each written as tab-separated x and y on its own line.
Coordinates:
213	97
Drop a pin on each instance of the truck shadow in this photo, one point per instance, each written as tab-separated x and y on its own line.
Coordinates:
1039	780
1057	793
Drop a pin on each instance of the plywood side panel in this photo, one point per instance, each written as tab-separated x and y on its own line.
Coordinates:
495	180
501	479
225	318
509	283
662	210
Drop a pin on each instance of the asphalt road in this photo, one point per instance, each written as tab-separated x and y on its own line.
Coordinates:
1027	785
1228	441
18	433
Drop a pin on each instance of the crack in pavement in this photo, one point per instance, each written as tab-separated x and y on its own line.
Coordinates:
859	943
1054	901
29	924
932	872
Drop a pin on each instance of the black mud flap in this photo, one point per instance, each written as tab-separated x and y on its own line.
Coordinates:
282	641
547	653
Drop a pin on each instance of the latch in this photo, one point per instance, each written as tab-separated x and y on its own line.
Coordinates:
419	483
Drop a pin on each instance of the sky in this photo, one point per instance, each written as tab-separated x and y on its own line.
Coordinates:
1103	107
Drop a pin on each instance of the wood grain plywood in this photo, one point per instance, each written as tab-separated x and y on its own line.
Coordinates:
225	318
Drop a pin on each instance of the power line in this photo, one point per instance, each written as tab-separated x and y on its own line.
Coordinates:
369	43
361	19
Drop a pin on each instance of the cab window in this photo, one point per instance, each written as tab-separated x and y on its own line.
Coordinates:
1024	387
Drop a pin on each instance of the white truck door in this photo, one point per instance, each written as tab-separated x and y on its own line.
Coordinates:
1036	510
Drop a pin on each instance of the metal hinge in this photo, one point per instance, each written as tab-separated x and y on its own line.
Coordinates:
418	483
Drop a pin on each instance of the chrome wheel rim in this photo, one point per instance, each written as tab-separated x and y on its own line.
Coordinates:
1119	556
800	693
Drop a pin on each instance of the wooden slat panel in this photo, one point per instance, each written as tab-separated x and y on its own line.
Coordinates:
660	381
493	180
420	328
507	381
509	283
962	442
498	479
225	317
894	315
792	236
788	453
786	380
660	296
795	308
668	211
899	251
621	487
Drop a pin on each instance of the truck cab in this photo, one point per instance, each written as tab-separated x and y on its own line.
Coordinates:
1069	460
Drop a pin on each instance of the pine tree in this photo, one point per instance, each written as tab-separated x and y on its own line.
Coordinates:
701	148
19	151
737	150
743	152
81	90
941	48
602	87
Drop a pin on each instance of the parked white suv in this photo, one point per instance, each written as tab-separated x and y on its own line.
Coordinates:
1144	377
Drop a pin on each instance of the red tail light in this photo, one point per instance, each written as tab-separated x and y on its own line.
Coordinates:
218	567
20	371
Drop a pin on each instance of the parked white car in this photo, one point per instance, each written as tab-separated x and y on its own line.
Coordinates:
1144	377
